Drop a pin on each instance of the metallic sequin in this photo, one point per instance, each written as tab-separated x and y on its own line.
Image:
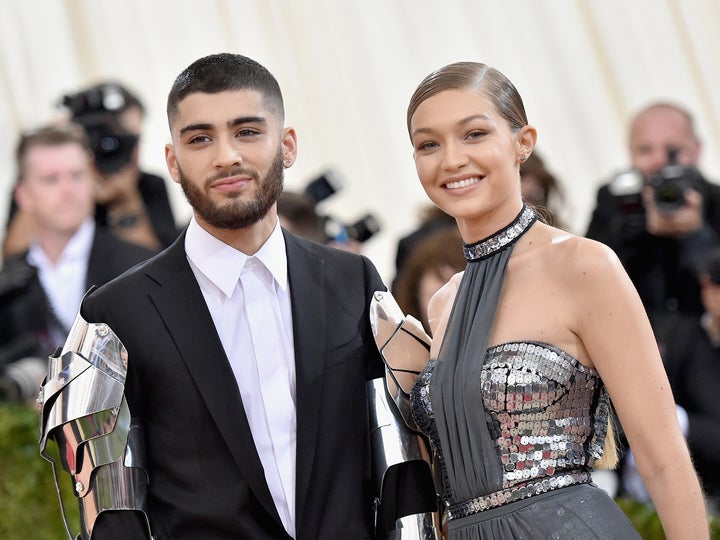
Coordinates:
546	412
503	238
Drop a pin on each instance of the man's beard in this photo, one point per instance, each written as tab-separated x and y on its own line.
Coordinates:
236	213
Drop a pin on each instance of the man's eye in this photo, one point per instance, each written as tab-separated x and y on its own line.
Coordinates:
247	132
197	139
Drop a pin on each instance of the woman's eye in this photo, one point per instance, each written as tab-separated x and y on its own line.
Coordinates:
475	134
427	145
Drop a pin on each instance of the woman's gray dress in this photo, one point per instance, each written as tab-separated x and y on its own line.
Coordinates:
515	428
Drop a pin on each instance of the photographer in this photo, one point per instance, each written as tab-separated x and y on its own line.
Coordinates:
131	203
299	214
662	216
41	289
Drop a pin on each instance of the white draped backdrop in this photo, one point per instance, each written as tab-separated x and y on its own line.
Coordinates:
347	69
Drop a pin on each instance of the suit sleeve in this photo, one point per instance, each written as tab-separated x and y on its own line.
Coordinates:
374	365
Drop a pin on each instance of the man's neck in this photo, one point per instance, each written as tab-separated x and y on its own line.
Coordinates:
53	243
248	240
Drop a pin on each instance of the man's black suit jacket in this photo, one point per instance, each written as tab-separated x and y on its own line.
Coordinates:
206	479
25	313
663	269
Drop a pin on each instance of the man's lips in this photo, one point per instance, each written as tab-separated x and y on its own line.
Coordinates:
231	183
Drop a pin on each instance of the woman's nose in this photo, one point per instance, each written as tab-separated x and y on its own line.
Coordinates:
454	156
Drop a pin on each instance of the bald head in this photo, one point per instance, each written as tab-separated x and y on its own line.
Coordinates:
658	129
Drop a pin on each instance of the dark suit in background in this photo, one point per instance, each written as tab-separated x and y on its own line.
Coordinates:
206	479
663	269
26	317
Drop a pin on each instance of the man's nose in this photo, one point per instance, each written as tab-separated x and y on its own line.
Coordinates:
227	155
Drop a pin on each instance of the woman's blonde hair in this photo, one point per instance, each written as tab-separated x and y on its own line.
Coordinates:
609	459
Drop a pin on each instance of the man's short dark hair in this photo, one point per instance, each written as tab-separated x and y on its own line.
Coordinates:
222	72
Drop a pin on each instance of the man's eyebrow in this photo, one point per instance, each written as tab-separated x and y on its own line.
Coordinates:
195	127
247	120
240	120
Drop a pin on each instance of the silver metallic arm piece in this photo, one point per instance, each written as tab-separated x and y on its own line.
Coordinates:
406	504
84	412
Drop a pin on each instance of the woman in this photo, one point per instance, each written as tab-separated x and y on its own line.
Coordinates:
529	341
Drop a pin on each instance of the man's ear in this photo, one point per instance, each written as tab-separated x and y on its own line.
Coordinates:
171	161
22	198
289	146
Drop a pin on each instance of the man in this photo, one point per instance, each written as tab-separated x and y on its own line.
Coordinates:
244	441
41	289
661	246
131	203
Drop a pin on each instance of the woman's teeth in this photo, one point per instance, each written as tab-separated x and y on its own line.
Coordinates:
462	183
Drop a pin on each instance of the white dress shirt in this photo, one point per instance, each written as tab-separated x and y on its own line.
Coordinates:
268	396
64	281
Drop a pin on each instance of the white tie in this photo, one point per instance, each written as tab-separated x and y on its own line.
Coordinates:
266	329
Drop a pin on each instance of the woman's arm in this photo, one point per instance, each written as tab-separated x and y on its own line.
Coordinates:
614	329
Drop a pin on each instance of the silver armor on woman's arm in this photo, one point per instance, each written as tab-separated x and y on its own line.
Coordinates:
406	502
84	412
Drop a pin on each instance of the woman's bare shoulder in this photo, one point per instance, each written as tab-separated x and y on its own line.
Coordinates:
575	254
441	301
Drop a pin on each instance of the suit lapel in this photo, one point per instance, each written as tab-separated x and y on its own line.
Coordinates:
183	308
306	271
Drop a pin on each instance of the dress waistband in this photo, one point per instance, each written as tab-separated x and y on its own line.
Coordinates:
504	496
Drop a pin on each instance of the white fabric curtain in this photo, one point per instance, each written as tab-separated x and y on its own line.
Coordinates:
347	69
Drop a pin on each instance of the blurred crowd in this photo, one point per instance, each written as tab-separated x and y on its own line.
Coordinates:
82	211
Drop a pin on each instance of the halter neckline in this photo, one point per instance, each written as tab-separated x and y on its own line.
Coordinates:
498	241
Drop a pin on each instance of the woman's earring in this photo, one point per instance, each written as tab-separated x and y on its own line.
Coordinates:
523	158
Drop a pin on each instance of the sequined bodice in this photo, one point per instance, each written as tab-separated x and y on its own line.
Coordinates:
547	414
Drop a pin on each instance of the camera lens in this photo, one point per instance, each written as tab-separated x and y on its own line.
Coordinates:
109	144
668	192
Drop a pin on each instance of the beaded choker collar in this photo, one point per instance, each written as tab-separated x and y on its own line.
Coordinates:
501	239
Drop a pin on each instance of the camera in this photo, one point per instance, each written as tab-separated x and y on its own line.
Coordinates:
97	109
671	182
324	186
22	365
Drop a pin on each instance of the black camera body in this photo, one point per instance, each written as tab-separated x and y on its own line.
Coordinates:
96	109
671	182
24	343
326	185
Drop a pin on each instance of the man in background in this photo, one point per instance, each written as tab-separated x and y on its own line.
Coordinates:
663	216
131	203
41	288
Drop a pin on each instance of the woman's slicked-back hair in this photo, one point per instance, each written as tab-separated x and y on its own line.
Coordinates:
484	79
222	72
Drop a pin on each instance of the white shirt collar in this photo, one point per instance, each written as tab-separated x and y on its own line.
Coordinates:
78	248
222	263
